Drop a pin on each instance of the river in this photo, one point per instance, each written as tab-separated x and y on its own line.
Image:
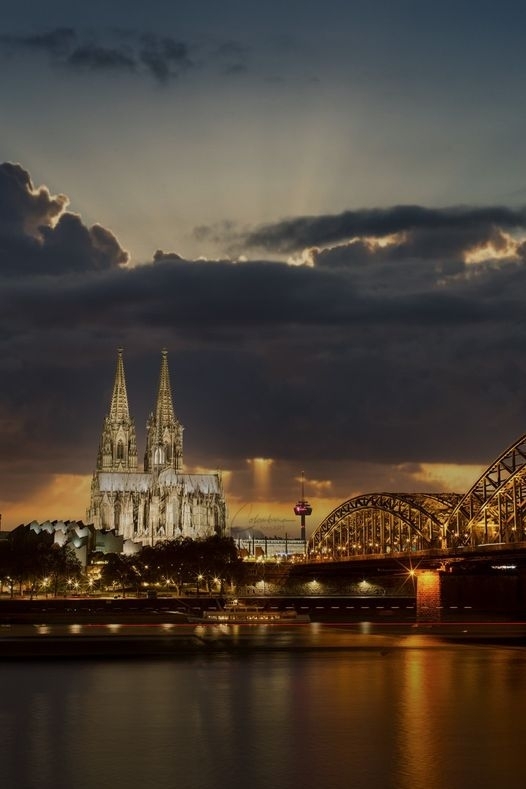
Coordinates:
414	712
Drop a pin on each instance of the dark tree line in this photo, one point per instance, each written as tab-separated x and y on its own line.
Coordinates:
205	565
32	561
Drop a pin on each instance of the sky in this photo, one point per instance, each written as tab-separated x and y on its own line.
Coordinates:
317	208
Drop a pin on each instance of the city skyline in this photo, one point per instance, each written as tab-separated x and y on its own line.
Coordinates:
319	212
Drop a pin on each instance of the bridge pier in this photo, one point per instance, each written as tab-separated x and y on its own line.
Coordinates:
428	596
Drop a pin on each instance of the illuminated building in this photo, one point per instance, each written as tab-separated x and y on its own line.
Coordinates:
161	502
254	545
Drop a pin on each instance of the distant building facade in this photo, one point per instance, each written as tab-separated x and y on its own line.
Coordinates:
79	536
254	545
161	502
83	538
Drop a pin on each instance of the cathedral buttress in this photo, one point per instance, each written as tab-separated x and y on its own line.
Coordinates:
118	444
164	440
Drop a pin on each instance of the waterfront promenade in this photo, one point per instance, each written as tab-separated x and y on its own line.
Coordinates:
327	608
98	628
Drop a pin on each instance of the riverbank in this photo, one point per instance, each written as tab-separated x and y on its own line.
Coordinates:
172	609
132	628
322	609
134	641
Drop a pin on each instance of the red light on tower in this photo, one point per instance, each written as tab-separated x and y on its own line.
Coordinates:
302	508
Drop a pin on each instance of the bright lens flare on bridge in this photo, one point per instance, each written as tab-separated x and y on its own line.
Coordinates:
409	572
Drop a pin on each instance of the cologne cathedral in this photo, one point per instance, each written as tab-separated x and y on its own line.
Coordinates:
161	502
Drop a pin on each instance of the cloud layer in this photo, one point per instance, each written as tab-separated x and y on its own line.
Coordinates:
162	57
450	227
398	342
38	235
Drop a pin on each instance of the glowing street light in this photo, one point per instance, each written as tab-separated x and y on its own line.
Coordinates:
199	578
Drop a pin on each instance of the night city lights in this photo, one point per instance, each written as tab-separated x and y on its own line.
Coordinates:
262	401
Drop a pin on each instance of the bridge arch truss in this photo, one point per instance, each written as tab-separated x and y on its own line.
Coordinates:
383	523
494	509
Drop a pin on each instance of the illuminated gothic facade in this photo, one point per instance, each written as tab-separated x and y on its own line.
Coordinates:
161	502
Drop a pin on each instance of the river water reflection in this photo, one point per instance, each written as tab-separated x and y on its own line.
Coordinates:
428	715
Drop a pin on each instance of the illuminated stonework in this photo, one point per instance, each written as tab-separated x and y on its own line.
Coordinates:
160	502
428	596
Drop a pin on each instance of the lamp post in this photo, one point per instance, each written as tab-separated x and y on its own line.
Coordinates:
261	561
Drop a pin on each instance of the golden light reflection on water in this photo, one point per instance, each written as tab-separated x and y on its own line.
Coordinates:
418	744
413	713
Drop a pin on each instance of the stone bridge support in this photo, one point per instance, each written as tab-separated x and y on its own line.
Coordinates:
428	595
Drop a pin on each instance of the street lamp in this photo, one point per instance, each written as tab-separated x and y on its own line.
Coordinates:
261	561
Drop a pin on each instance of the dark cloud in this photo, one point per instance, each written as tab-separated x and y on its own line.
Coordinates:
164	58
38	235
260	368
196	296
401	362
24	209
216	233
159	256
56	42
449	228
93	56
106	247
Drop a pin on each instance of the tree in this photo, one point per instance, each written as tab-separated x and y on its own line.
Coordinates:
120	570
61	564
28	557
185	561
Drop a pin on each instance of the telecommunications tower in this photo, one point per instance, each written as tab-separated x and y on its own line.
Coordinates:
302	508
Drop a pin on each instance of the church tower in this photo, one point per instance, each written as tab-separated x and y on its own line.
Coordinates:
164	439
118	444
161	502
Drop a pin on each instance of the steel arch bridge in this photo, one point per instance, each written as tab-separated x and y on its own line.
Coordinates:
494	508
493	511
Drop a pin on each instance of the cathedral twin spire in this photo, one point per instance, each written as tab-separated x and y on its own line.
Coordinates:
164	440
119	400
118	445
